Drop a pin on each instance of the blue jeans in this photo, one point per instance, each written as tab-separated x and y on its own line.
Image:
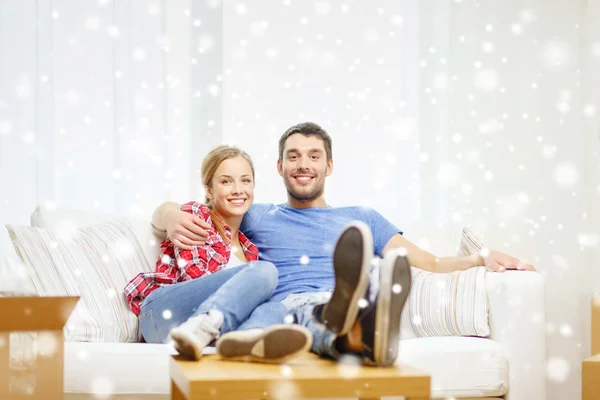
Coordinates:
239	293
301	307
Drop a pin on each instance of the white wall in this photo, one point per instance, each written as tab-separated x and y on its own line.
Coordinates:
335	64
432	106
96	105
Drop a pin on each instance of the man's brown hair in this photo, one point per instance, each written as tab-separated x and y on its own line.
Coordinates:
307	129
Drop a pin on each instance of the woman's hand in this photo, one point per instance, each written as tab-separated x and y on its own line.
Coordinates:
185	230
499	262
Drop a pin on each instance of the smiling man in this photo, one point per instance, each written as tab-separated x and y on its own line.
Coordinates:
320	285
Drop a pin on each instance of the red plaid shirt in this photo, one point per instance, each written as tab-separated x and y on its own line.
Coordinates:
175	265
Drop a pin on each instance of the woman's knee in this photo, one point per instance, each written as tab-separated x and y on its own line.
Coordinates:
268	272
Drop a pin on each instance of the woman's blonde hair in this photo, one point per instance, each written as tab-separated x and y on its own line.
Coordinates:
210	164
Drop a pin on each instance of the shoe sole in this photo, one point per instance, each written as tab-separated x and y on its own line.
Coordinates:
351	277
186	345
395	270
275	344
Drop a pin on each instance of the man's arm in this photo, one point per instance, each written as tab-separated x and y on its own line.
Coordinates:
419	258
185	230
158	216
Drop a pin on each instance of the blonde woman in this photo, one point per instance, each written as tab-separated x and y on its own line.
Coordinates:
200	292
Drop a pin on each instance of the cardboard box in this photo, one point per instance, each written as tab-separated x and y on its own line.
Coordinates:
590	379
595	338
45	317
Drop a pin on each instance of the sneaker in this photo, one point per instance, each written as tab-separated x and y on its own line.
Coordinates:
380	320
275	344
191	337
351	263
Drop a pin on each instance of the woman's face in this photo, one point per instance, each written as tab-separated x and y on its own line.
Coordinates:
232	189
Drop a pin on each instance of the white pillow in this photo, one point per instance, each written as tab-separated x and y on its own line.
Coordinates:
95	263
448	304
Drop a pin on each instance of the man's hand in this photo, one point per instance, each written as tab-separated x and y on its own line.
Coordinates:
185	230
500	262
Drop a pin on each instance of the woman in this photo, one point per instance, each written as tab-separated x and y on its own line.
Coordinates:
196	295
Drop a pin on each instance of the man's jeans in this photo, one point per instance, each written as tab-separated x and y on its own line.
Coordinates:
239	293
301	307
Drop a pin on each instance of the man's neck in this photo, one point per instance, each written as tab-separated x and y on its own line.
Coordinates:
319	202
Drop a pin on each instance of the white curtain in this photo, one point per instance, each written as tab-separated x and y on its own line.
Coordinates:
443	113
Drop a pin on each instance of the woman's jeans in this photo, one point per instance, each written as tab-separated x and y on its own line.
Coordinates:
239	293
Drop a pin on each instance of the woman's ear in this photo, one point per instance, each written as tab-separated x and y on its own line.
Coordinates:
208	191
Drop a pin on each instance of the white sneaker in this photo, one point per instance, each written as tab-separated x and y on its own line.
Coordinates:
191	337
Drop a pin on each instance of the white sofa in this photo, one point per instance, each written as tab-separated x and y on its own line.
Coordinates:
510	364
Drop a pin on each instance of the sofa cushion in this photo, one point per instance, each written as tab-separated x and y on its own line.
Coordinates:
117	368
459	366
452	304
469	243
95	263
51	219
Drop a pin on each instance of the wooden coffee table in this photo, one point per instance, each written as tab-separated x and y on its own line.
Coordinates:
305	377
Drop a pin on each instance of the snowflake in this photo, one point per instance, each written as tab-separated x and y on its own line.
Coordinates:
113	31
558	369
349	366
47	344
102	388
322	7
487	79
167	314
259	28
397	20
487	47
566	175
527	16
549	151
153	9
587	240
523	198
516	29
92	23
205	43
448	175
440	81
139	54
555	54
23	89
283	389
589	110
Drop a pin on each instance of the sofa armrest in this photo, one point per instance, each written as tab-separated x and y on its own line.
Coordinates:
518	324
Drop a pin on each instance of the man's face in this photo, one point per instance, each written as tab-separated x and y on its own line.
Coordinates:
304	167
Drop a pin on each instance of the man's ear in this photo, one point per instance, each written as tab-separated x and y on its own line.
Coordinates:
329	168
280	167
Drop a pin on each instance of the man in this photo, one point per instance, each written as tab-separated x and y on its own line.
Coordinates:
297	238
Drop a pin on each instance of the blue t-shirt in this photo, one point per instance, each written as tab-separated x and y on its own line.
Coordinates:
300	241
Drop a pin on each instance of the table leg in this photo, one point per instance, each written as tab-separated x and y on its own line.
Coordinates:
176	392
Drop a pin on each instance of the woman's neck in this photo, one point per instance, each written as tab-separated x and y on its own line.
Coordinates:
233	223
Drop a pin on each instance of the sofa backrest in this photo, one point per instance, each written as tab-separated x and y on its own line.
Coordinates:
52	219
